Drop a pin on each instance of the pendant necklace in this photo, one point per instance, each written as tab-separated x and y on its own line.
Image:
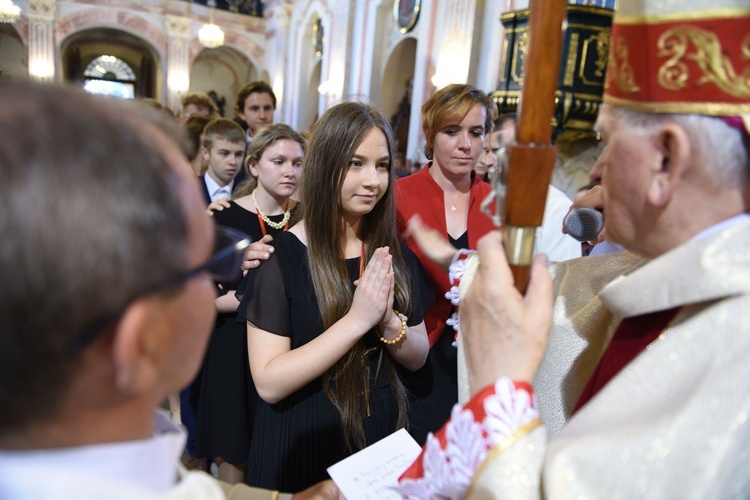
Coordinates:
263	218
454	208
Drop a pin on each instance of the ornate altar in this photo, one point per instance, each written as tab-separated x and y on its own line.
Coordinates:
583	62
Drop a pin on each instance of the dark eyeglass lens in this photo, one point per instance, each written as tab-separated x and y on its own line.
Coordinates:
226	267
229	251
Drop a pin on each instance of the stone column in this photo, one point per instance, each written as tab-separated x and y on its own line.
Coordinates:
178	59
339	50
41	14
278	14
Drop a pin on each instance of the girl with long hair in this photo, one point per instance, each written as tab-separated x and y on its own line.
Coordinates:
262	206
335	312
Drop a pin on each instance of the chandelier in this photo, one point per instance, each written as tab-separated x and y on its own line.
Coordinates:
209	35
9	12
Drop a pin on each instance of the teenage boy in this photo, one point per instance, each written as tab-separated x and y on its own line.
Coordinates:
256	104
224	150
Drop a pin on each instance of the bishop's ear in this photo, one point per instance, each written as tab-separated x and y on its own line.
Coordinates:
673	146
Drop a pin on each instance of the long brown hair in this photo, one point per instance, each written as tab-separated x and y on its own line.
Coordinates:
335	138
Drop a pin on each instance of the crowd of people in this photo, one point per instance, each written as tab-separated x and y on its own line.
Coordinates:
257	387
617	375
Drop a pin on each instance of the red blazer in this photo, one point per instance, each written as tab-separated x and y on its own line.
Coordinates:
420	194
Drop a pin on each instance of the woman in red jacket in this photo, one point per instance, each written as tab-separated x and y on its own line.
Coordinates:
446	194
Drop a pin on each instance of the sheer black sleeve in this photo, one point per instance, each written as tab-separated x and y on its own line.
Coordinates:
422	295
263	298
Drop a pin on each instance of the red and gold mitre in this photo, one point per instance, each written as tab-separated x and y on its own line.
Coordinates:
681	56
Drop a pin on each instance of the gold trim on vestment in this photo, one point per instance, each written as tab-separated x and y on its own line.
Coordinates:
695	15
503	445
684	107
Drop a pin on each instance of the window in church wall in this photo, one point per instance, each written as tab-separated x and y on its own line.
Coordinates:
109	75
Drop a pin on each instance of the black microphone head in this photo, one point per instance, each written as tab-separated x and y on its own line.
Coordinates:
584	223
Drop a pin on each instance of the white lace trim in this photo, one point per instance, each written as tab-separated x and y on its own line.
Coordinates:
448	472
458	265
453	295
455	273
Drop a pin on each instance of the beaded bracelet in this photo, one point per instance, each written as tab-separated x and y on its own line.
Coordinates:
400	335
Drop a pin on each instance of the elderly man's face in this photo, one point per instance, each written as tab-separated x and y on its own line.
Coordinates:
624	170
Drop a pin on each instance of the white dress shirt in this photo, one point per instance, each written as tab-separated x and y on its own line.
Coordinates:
146	468
217	192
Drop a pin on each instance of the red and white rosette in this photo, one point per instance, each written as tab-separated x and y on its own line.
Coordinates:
451	457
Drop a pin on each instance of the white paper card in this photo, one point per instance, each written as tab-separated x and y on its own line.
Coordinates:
369	473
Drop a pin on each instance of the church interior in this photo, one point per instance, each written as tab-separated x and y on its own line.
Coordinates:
314	53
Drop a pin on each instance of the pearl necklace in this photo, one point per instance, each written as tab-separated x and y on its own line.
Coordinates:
275	225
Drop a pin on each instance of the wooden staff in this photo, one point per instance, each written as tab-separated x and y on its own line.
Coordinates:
532	159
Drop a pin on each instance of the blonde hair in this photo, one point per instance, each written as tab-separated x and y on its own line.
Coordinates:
222	128
265	138
201	100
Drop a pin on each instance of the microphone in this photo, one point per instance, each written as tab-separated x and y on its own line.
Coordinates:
584	223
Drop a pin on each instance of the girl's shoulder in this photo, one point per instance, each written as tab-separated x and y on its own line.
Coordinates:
246	202
298	231
290	245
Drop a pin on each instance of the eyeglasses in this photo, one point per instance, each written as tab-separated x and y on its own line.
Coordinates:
224	263
222	266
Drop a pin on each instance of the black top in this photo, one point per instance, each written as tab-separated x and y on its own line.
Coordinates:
460	242
246	221
295	440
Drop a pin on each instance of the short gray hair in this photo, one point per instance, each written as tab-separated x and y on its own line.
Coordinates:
714	142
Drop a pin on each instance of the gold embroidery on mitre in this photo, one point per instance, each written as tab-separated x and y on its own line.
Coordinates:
708	56
620	70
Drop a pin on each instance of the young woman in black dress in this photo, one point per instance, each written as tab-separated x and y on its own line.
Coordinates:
261	206
336	310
